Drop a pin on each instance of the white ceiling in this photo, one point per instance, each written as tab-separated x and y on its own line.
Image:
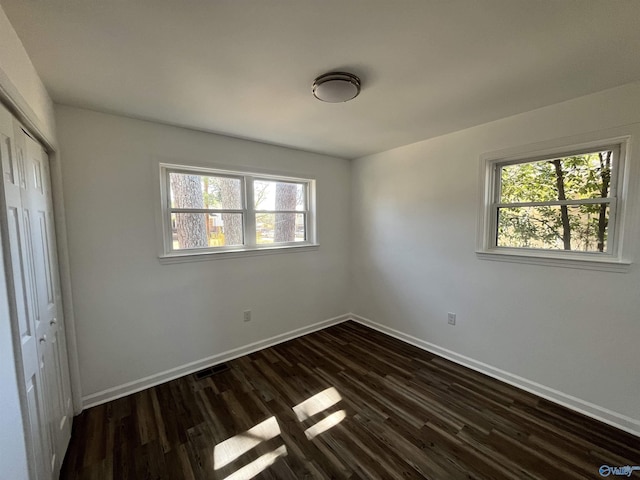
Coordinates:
245	67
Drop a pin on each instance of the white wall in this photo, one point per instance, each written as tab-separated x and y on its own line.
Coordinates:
20	81
135	317
413	241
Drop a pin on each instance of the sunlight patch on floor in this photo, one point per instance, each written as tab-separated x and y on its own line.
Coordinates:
227	451
258	465
233	448
325	424
316	404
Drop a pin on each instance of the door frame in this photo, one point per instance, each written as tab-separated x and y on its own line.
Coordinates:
19	107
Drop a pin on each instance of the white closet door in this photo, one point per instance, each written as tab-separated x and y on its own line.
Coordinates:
26	316
35	297
37	201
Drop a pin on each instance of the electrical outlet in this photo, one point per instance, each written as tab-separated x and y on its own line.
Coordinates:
451	318
247	315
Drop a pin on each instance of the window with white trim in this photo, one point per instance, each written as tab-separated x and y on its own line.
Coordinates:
214	211
561	204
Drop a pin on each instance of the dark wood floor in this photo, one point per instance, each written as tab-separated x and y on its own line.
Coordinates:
345	402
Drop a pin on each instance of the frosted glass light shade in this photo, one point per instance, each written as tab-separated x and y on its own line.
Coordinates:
336	87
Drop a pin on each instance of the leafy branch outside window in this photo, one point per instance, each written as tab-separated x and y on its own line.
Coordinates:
554	204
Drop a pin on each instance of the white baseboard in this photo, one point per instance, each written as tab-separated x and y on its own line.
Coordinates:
156	379
596	412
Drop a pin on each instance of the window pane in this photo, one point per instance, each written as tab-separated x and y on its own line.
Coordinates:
202	191
202	230
577	227
568	178
272	195
280	227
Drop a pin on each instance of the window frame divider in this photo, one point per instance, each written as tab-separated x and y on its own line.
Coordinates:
281	211
206	210
557	203
250	223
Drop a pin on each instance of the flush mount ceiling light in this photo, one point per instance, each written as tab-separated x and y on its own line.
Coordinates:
336	87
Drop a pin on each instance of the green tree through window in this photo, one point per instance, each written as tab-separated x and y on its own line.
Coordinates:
558	203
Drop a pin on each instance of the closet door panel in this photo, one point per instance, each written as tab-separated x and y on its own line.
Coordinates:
25	311
38	447
37	198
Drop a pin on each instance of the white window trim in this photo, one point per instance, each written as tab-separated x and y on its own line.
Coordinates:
166	253
617	259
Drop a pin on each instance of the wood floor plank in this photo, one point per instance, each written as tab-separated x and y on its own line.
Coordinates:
346	402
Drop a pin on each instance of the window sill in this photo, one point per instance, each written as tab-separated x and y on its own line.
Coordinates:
583	262
224	254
